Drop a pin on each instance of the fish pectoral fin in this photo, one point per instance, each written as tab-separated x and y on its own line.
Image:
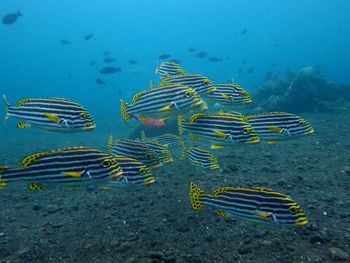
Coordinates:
272	142
216	146
167	107
74	173
105	187
3	184
22	125
52	117
275	129
35	186
225	96
220	133
222	213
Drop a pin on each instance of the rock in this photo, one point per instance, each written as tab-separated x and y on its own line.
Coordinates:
232	167
156	254
52	208
318	239
244	250
338	254
36	208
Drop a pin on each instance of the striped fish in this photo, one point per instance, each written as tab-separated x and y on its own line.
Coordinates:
229	94
254	204
221	128
168	69
69	166
197	82
274	126
200	157
134	149
54	114
162	151
161	102
133	172
166	139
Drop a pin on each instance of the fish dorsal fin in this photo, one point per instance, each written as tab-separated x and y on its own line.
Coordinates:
221	190
229	114
143	135
30	159
195	116
110	143
261	188
137	95
22	101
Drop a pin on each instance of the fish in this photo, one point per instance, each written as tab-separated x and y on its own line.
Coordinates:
106	53
68	166
199	83
168	69
131	61
252	204
54	114
11	18
109	60
70	76
191	49
243	32
164	56
167	139
275	126
88	36
201	54
221	128
162	151
92	62
200	157
65	42
134	149
100	81
215	59
154	122
229	93
110	70
133	172
161	102
250	70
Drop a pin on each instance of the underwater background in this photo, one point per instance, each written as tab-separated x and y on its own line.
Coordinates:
58	49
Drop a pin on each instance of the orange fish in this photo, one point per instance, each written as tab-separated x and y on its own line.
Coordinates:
154	122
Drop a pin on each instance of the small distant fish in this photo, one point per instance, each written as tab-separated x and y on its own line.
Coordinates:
275	126
92	62
240	70
54	114
243	32
201	54
109	60
191	49
215	59
88	36
131	61
110	70
11	18
68	166
100	81
134	149
70	76
250	70
276	45
219	128
254	204
164	56
65	42
106	53
199	83
154	122
169	69
243	61
200	157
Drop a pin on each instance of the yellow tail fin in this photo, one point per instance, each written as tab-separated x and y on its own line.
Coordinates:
123	112
180	121
195	194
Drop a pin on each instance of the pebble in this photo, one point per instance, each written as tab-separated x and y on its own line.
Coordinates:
36	208
232	167
52	208
338	255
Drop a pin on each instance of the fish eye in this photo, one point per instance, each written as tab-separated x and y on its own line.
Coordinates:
148	155
106	163
189	93
83	115
294	209
143	170
247	130
302	122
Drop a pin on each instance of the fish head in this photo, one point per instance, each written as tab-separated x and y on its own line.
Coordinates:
85	121
166	156
113	168
302	127
241	96
188	98
136	173
242	132
286	214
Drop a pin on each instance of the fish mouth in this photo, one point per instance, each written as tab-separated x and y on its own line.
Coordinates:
309	131
197	102
301	221
116	175
254	139
89	128
149	180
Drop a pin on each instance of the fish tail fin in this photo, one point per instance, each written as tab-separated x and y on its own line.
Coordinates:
19	13
7	106
123	111
109	144
195	194
3	183
180	121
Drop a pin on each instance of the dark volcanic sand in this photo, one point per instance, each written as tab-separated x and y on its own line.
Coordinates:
157	224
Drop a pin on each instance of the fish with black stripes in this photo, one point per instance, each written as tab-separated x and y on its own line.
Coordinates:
162	151
200	157
54	114
252	204
229	93
221	128
199	83
161	102
134	149
168	69
166	139
275	126
68	166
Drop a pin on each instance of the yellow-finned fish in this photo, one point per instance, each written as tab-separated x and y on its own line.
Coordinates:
200	157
